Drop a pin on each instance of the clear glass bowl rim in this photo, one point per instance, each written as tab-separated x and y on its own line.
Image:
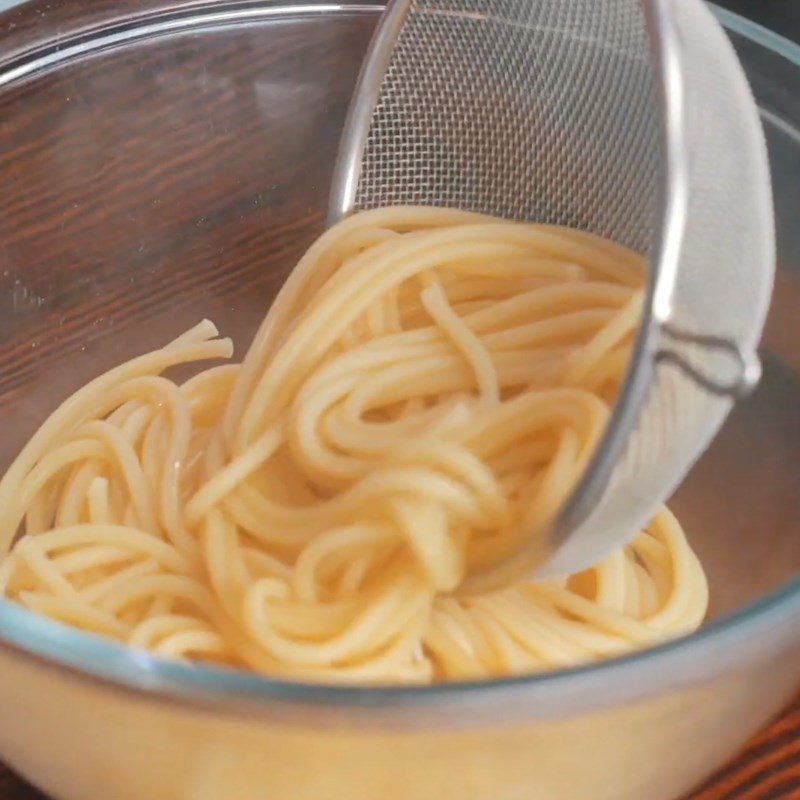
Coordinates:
695	657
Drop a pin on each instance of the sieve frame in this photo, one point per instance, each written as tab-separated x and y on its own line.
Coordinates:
656	333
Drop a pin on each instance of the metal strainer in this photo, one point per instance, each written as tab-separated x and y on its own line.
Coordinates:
628	118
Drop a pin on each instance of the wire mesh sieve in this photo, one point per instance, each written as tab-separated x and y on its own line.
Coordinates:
627	118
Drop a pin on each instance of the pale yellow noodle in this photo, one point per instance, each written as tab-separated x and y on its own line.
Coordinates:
422	394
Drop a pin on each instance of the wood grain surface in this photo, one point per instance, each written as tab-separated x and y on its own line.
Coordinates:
148	185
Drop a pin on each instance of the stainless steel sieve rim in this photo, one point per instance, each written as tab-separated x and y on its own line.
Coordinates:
656	334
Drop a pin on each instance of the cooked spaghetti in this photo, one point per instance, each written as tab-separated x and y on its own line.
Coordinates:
424	391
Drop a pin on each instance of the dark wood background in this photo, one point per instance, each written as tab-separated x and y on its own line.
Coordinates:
135	192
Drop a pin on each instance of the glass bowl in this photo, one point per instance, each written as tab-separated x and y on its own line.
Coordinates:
163	162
